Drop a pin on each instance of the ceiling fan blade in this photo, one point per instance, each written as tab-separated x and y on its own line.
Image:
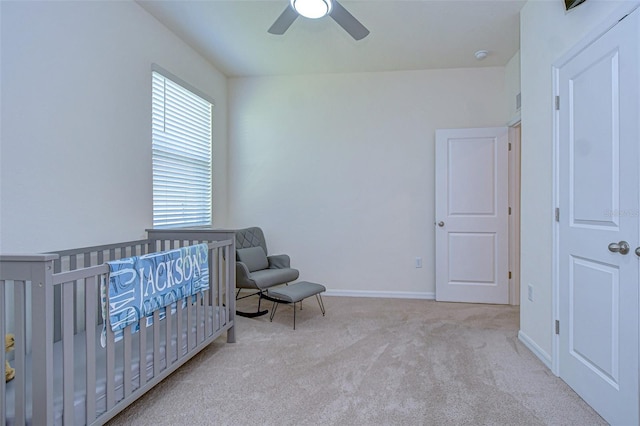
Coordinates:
284	21
347	21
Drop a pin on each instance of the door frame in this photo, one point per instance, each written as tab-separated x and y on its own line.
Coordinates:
606	24
515	131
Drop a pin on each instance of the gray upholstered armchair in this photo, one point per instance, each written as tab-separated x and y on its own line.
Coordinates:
256	270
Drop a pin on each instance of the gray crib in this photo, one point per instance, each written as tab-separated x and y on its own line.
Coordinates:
51	303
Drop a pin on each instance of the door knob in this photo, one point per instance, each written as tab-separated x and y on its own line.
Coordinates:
638	251
441	224
622	247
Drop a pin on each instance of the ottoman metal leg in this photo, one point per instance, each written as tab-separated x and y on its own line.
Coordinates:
319	298
273	310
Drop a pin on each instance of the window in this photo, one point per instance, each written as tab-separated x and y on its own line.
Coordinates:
181	153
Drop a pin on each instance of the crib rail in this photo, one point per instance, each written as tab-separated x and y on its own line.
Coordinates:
55	301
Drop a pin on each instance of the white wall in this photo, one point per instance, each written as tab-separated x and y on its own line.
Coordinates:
75	154
547	32
339	169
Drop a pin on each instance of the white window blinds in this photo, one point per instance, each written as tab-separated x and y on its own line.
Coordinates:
181	151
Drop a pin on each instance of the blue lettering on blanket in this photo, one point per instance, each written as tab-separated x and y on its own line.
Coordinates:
140	285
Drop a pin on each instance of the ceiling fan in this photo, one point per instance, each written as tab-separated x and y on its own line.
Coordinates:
315	9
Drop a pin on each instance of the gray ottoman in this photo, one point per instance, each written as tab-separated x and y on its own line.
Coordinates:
294	293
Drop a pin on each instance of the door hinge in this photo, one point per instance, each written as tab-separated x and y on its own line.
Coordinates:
509	274
557	326
557	103
509	210
557	214
509	146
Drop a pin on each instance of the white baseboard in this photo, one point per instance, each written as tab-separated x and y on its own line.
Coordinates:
537	350
382	294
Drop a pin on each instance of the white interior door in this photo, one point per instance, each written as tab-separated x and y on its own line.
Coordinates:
598	195
472	258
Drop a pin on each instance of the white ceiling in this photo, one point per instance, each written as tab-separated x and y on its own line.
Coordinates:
405	35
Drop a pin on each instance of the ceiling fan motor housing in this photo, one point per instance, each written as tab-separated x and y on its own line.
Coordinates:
313	9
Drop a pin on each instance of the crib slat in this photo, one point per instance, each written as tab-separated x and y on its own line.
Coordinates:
220	290
127	364
143	353
73	264
196	311
227	298
209	326
230	300
57	267
213	289
223	296
205	315
156	343
168	351
202	316
67	352
178	330
20	364
220	293
190	342
217	296
3	399
90	295
111	367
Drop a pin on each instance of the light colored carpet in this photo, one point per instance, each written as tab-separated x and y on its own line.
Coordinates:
368	362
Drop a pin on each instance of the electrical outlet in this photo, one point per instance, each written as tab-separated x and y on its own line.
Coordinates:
418	262
530	292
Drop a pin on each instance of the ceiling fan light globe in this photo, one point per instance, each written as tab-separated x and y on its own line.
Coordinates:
313	9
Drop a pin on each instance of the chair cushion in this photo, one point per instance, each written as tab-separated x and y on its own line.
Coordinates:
269	277
254	257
